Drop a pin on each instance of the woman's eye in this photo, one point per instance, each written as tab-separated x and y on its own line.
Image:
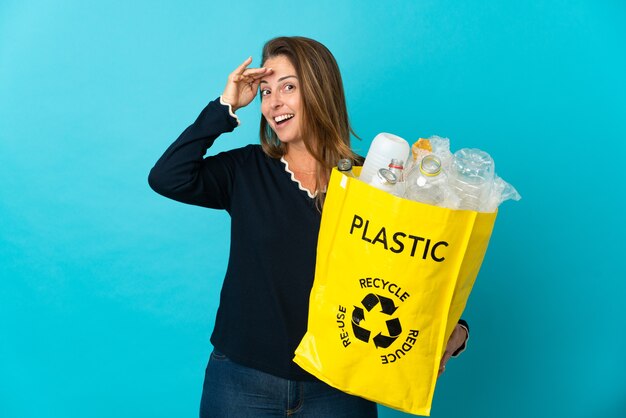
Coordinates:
264	92
289	87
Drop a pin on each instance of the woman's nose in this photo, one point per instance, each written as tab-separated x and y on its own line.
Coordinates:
275	101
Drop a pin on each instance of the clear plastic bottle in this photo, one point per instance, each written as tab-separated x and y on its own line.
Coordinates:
471	178
426	183
396	166
345	167
385	180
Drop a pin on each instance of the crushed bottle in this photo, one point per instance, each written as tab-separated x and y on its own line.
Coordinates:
426	183
471	177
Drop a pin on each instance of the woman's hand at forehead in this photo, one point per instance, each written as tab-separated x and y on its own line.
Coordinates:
243	84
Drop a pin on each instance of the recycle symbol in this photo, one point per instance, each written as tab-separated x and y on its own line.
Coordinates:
394	329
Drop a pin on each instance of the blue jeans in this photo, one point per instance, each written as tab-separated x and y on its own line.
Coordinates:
232	390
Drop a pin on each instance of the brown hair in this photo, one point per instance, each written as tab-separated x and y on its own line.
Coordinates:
325	126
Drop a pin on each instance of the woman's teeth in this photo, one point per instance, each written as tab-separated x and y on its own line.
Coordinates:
282	118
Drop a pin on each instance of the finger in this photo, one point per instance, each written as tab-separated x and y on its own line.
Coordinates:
255	73
242	67
252	80
444	361
446	356
255	85
251	74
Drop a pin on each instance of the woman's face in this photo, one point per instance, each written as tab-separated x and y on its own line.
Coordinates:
281	102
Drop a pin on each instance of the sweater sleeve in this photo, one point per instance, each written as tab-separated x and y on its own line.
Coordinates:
183	174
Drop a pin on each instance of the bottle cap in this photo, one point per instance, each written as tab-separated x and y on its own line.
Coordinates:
430	165
344	165
385	176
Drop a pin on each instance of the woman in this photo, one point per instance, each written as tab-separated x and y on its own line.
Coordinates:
274	194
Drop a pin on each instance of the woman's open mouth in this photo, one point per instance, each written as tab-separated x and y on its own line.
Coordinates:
282	119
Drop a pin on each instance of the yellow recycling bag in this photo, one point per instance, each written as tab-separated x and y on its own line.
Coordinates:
391	281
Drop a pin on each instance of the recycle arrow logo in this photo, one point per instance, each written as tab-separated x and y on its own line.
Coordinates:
394	329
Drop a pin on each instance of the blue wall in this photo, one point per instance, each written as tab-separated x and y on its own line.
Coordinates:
108	291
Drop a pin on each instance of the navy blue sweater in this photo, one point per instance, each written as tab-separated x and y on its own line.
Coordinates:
263	308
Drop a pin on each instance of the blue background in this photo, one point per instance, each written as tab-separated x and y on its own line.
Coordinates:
108	291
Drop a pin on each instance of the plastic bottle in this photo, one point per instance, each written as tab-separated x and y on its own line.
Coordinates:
426	183
385	180
345	167
397	167
471	177
384	148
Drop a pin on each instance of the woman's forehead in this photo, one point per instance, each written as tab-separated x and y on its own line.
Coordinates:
281	69
280	63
